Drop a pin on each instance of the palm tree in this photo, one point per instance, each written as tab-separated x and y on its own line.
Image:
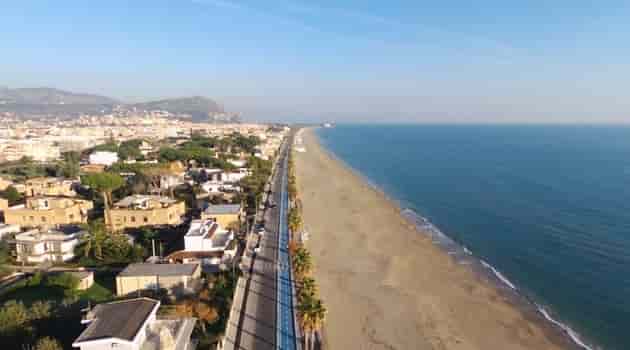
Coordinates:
105	183
308	288
302	262
318	314
94	241
306	321
312	315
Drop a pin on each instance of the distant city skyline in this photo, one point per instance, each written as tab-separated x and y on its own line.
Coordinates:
351	61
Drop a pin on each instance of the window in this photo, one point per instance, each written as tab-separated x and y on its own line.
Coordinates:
71	216
133	219
43	219
146	219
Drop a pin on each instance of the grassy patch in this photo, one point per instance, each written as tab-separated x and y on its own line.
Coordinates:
96	293
30	294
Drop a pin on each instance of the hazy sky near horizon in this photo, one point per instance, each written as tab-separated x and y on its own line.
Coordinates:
427	61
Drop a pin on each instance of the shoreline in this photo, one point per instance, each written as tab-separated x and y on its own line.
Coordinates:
462	255
484	274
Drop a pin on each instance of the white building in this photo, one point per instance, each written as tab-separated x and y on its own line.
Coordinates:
133	325
235	176
39	245
6	229
206	236
103	158
239	163
145	148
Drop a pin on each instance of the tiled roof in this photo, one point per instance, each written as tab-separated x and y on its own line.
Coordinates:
119	319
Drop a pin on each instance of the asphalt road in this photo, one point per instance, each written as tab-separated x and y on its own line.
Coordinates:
261	313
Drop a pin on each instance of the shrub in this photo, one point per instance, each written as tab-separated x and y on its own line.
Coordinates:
47	343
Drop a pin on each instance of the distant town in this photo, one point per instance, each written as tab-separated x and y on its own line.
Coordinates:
127	229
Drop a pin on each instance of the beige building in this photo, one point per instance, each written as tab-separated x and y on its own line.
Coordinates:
4	183
223	214
4	205
176	278
48	211
144	210
49	186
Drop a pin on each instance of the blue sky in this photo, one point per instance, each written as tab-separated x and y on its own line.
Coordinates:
427	61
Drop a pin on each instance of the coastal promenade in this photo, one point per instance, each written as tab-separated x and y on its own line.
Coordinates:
262	315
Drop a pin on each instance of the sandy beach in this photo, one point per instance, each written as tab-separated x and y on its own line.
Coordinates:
386	286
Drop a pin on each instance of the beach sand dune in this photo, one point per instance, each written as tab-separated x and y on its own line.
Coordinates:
388	287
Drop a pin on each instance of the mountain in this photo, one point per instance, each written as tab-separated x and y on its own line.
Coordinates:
46	102
49	96
198	107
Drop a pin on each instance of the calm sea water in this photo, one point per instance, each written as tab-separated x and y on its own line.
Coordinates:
547	206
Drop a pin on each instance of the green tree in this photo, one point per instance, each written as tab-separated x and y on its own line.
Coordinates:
307	288
295	220
130	149
104	183
48	343
91	245
70	167
169	154
64	280
302	262
40	310
312	315
110	146
11	194
5	258
14	317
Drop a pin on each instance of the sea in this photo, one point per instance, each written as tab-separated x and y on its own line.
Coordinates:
545	209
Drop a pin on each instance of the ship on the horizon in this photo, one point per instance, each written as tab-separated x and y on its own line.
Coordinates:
328	125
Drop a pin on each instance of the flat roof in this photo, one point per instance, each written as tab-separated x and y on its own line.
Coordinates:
202	228
218	209
119	319
133	199
147	269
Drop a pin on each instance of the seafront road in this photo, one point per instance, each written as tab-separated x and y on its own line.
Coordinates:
262	315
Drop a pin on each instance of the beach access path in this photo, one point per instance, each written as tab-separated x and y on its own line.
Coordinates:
386	286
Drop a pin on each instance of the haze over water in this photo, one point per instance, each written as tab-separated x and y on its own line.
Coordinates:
547	206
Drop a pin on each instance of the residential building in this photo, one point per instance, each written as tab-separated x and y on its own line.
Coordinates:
171	181
86	279
93	168
146	210
224	214
177	279
103	158
239	163
206	242
40	244
4	183
48	211
133	324
36	149
145	148
50	186
4	205
8	229
235	176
